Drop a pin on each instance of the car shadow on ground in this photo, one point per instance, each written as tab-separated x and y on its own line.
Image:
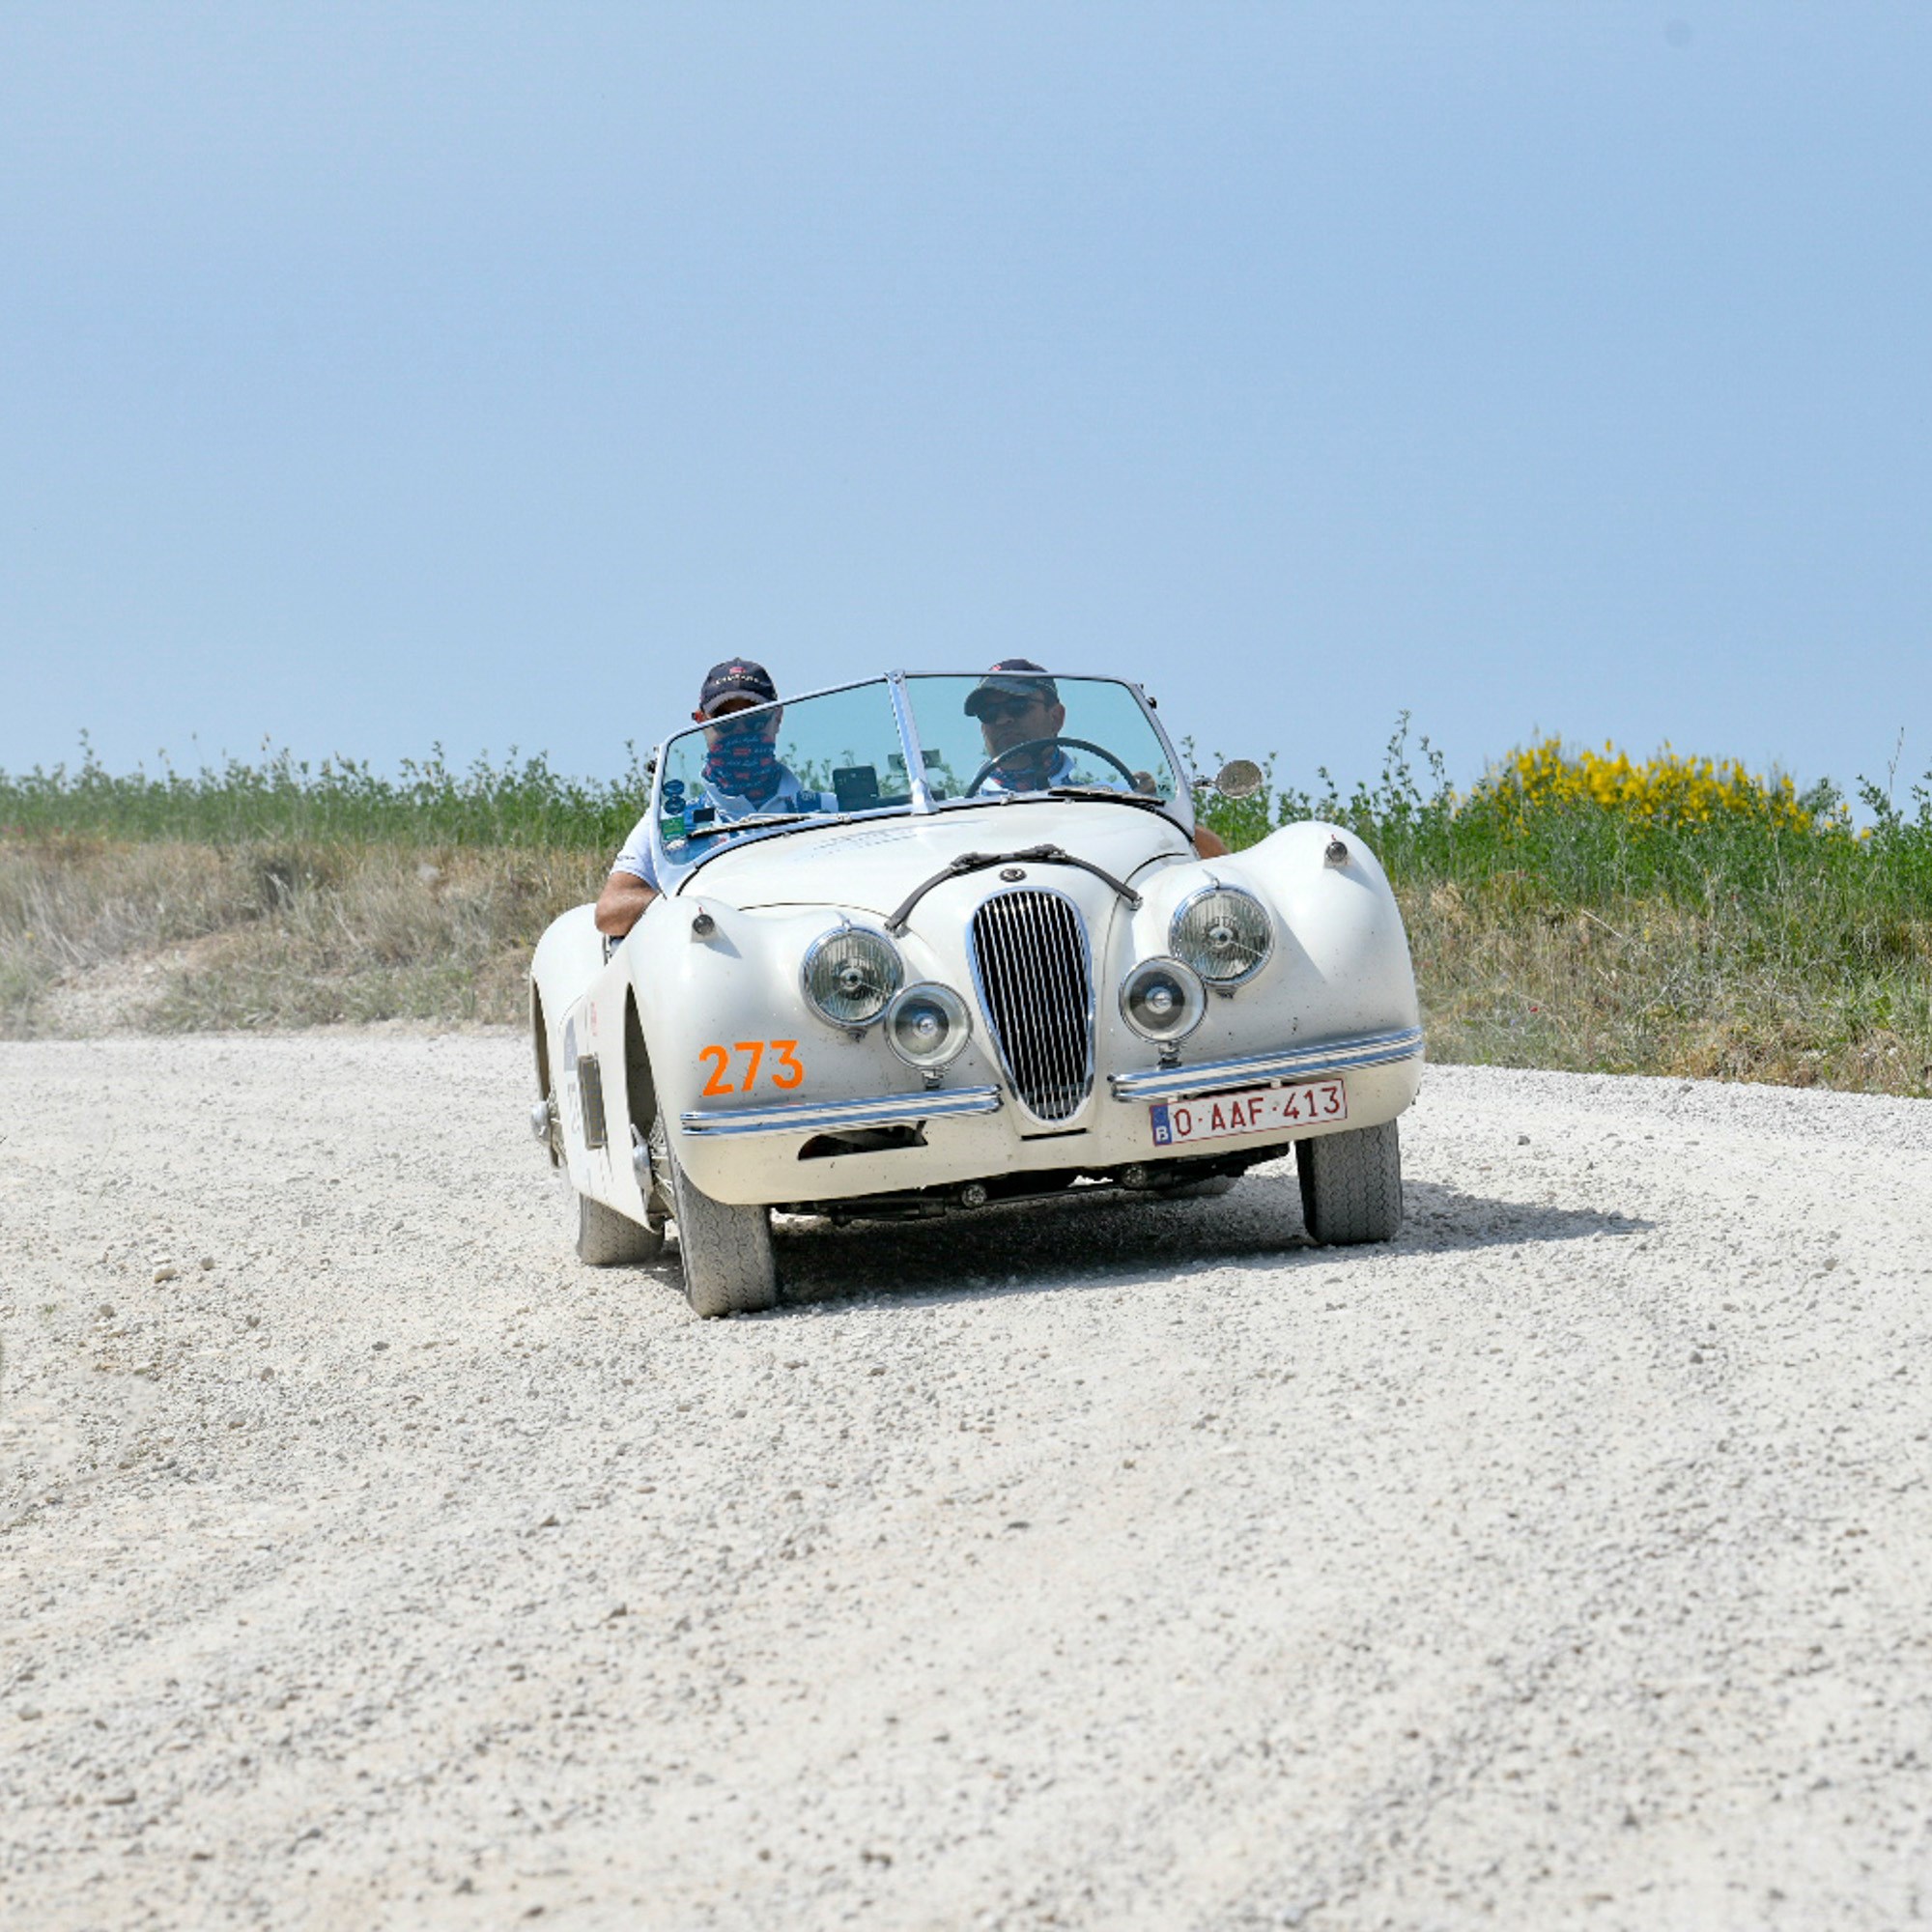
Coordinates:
1101	1238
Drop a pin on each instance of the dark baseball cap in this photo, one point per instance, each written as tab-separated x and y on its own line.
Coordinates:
736	677
1013	677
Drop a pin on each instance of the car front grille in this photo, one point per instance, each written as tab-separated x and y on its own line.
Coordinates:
1031	962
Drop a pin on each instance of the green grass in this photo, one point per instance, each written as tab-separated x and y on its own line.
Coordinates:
335	802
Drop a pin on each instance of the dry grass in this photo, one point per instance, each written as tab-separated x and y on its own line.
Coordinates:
270	935
1646	986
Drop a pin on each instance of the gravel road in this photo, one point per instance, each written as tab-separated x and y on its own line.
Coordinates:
365	1562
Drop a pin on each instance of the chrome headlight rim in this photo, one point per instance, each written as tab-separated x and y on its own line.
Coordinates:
960	1022
1194	997
1176	944
848	929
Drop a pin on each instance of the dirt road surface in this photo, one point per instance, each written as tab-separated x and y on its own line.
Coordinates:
1567	1563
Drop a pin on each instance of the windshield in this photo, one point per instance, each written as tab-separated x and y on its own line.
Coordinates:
841	753
999	734
809	758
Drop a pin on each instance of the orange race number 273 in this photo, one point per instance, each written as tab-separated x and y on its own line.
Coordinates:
785	1070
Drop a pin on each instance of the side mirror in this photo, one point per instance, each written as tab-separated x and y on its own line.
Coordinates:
1239	777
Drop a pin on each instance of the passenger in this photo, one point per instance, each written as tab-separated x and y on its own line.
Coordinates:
742	775
1020	715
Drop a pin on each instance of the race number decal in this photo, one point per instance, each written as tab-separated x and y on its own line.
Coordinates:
777	1059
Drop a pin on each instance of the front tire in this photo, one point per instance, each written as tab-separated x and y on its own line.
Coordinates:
1352	1186
607	1238
726	1251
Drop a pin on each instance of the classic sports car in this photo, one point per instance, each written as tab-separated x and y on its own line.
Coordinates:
968	955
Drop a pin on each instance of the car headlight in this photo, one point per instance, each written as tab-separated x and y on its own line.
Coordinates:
850	974
1162	999
927	1026
1223	933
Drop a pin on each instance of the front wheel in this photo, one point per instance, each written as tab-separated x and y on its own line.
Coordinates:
1352	1186
607	1238
726	1251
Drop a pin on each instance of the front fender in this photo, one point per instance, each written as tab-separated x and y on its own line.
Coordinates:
1340	963
568	957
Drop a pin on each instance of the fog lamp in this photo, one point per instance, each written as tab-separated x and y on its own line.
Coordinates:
927	1026
1162	999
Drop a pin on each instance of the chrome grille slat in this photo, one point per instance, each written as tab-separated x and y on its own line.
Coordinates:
1034	976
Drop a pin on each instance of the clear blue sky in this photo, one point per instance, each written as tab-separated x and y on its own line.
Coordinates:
374	375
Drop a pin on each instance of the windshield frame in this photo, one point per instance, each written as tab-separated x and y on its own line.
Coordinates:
675	870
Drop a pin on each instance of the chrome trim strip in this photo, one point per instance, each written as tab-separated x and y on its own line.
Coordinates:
1184	773
813	1117
1307	1063
912	750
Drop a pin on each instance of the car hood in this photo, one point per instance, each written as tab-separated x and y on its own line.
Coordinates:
871	865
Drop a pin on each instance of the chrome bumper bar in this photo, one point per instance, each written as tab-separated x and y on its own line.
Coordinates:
831	1117
1304	1063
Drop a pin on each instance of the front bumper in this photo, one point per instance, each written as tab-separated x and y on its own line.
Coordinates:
1318	1062
844	1117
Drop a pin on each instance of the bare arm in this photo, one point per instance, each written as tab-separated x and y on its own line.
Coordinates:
1209	842
621	904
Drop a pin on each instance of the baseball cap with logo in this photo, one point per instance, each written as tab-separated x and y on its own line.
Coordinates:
736	677
1013	677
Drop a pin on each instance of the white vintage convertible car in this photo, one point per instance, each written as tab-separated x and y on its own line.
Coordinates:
972	958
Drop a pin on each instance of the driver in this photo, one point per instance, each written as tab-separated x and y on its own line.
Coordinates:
1021	717
743	773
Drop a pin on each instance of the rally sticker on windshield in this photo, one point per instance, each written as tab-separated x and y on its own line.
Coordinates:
671	811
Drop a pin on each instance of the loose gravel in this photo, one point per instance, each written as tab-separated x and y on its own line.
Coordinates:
366	1562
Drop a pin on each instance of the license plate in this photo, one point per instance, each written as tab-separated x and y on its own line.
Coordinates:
1252	1111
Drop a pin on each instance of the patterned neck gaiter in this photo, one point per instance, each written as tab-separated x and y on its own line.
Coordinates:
742	762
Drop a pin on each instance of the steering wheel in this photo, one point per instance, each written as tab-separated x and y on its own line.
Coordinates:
986	770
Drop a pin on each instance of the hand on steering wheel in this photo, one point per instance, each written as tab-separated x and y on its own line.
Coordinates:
986	770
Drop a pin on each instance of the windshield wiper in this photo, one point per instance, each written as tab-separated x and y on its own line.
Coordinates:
750	824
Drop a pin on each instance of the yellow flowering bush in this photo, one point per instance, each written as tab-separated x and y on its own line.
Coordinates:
1668	789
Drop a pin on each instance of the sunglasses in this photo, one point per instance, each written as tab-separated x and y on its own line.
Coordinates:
1006	710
